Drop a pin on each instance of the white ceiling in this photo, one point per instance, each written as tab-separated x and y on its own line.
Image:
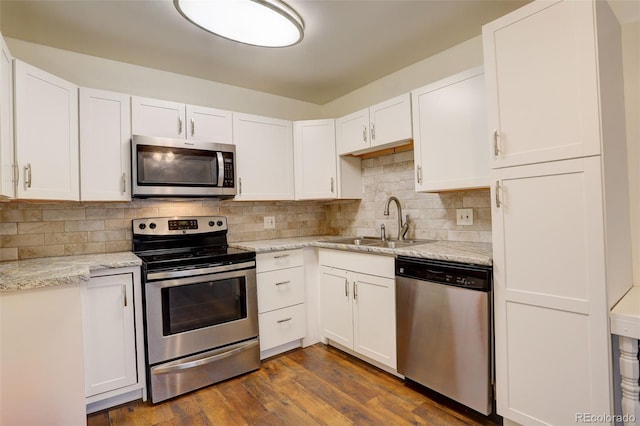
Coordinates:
347	43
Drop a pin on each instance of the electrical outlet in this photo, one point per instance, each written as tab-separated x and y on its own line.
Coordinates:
464	216
269	222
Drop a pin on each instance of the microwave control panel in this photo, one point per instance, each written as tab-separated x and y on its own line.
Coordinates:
227	160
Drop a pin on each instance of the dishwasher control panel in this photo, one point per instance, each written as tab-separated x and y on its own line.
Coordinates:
475	277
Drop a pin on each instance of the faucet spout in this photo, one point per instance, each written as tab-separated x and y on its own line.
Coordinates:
402	228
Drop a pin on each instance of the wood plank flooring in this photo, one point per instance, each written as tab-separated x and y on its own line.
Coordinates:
318	385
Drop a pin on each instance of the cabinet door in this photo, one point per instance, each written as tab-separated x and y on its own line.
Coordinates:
541	77
336	314
105	134
7	184
264	148
352	132
374	317
153	117
109	333
390	122
551	313
46	118
314	146
450	127
209	125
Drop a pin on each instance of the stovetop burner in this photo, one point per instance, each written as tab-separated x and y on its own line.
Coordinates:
184	243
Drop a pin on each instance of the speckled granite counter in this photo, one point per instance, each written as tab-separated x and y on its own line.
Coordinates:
53	271
454	251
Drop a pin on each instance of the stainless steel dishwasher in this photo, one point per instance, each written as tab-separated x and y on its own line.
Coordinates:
444	332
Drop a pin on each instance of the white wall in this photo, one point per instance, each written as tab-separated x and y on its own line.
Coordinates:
106	74
451	61
631	69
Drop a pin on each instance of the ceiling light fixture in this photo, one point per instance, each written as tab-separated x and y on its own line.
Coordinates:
267	23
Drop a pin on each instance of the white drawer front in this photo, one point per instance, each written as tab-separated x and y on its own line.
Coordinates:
278	260
279	289
282	326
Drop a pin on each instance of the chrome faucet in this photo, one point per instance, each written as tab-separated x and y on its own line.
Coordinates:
402	228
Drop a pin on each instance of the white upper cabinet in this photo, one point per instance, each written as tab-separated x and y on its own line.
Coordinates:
46	117
541	77
105	133
153	117
314	146
449	130
264	149
7	161
383	125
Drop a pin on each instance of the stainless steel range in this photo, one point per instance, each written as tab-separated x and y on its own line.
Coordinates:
200	299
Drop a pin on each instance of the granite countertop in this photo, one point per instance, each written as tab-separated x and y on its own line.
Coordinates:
625	316
454	251
54	271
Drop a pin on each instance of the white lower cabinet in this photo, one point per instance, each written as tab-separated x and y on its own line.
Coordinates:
41	364
281	301
357	304
113	350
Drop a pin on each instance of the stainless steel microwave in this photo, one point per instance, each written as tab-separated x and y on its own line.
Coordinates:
163	167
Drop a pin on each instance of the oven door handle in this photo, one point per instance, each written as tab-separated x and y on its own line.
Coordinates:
219	354
153	276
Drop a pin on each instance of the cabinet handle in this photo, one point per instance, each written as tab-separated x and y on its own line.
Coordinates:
346	287
332	185
373	131
283	283
179	125
16	173
284	320
496	143
27	176
123	183
239	186
193	127
124	295
419	174
364	133
498	188
280	256
355	290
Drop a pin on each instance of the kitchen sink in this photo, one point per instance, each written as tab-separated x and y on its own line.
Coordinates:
401	243
377	242
358	241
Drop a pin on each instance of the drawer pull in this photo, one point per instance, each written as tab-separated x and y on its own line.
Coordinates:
283	282
284	320
280	256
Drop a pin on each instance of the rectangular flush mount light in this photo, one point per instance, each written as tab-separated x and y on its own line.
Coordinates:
267	23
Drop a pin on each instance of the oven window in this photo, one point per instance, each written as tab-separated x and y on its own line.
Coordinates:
194	306
176	166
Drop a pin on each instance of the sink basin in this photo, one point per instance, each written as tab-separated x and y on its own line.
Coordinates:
401	243
377	242
358	241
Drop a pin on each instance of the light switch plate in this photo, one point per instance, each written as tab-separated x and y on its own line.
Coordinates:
269	222
464	216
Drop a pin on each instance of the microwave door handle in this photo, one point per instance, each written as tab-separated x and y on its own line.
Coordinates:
220	169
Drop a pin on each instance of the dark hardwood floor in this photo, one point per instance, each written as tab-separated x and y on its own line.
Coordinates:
318	385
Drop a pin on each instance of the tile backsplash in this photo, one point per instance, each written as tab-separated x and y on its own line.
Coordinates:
431	216
42	229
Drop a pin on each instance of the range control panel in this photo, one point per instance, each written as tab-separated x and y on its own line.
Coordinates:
179	225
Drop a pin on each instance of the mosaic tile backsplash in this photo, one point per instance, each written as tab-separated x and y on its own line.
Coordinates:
44	229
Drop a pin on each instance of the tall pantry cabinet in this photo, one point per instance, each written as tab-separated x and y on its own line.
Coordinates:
560	206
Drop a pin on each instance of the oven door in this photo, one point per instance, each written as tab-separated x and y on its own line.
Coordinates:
199	313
